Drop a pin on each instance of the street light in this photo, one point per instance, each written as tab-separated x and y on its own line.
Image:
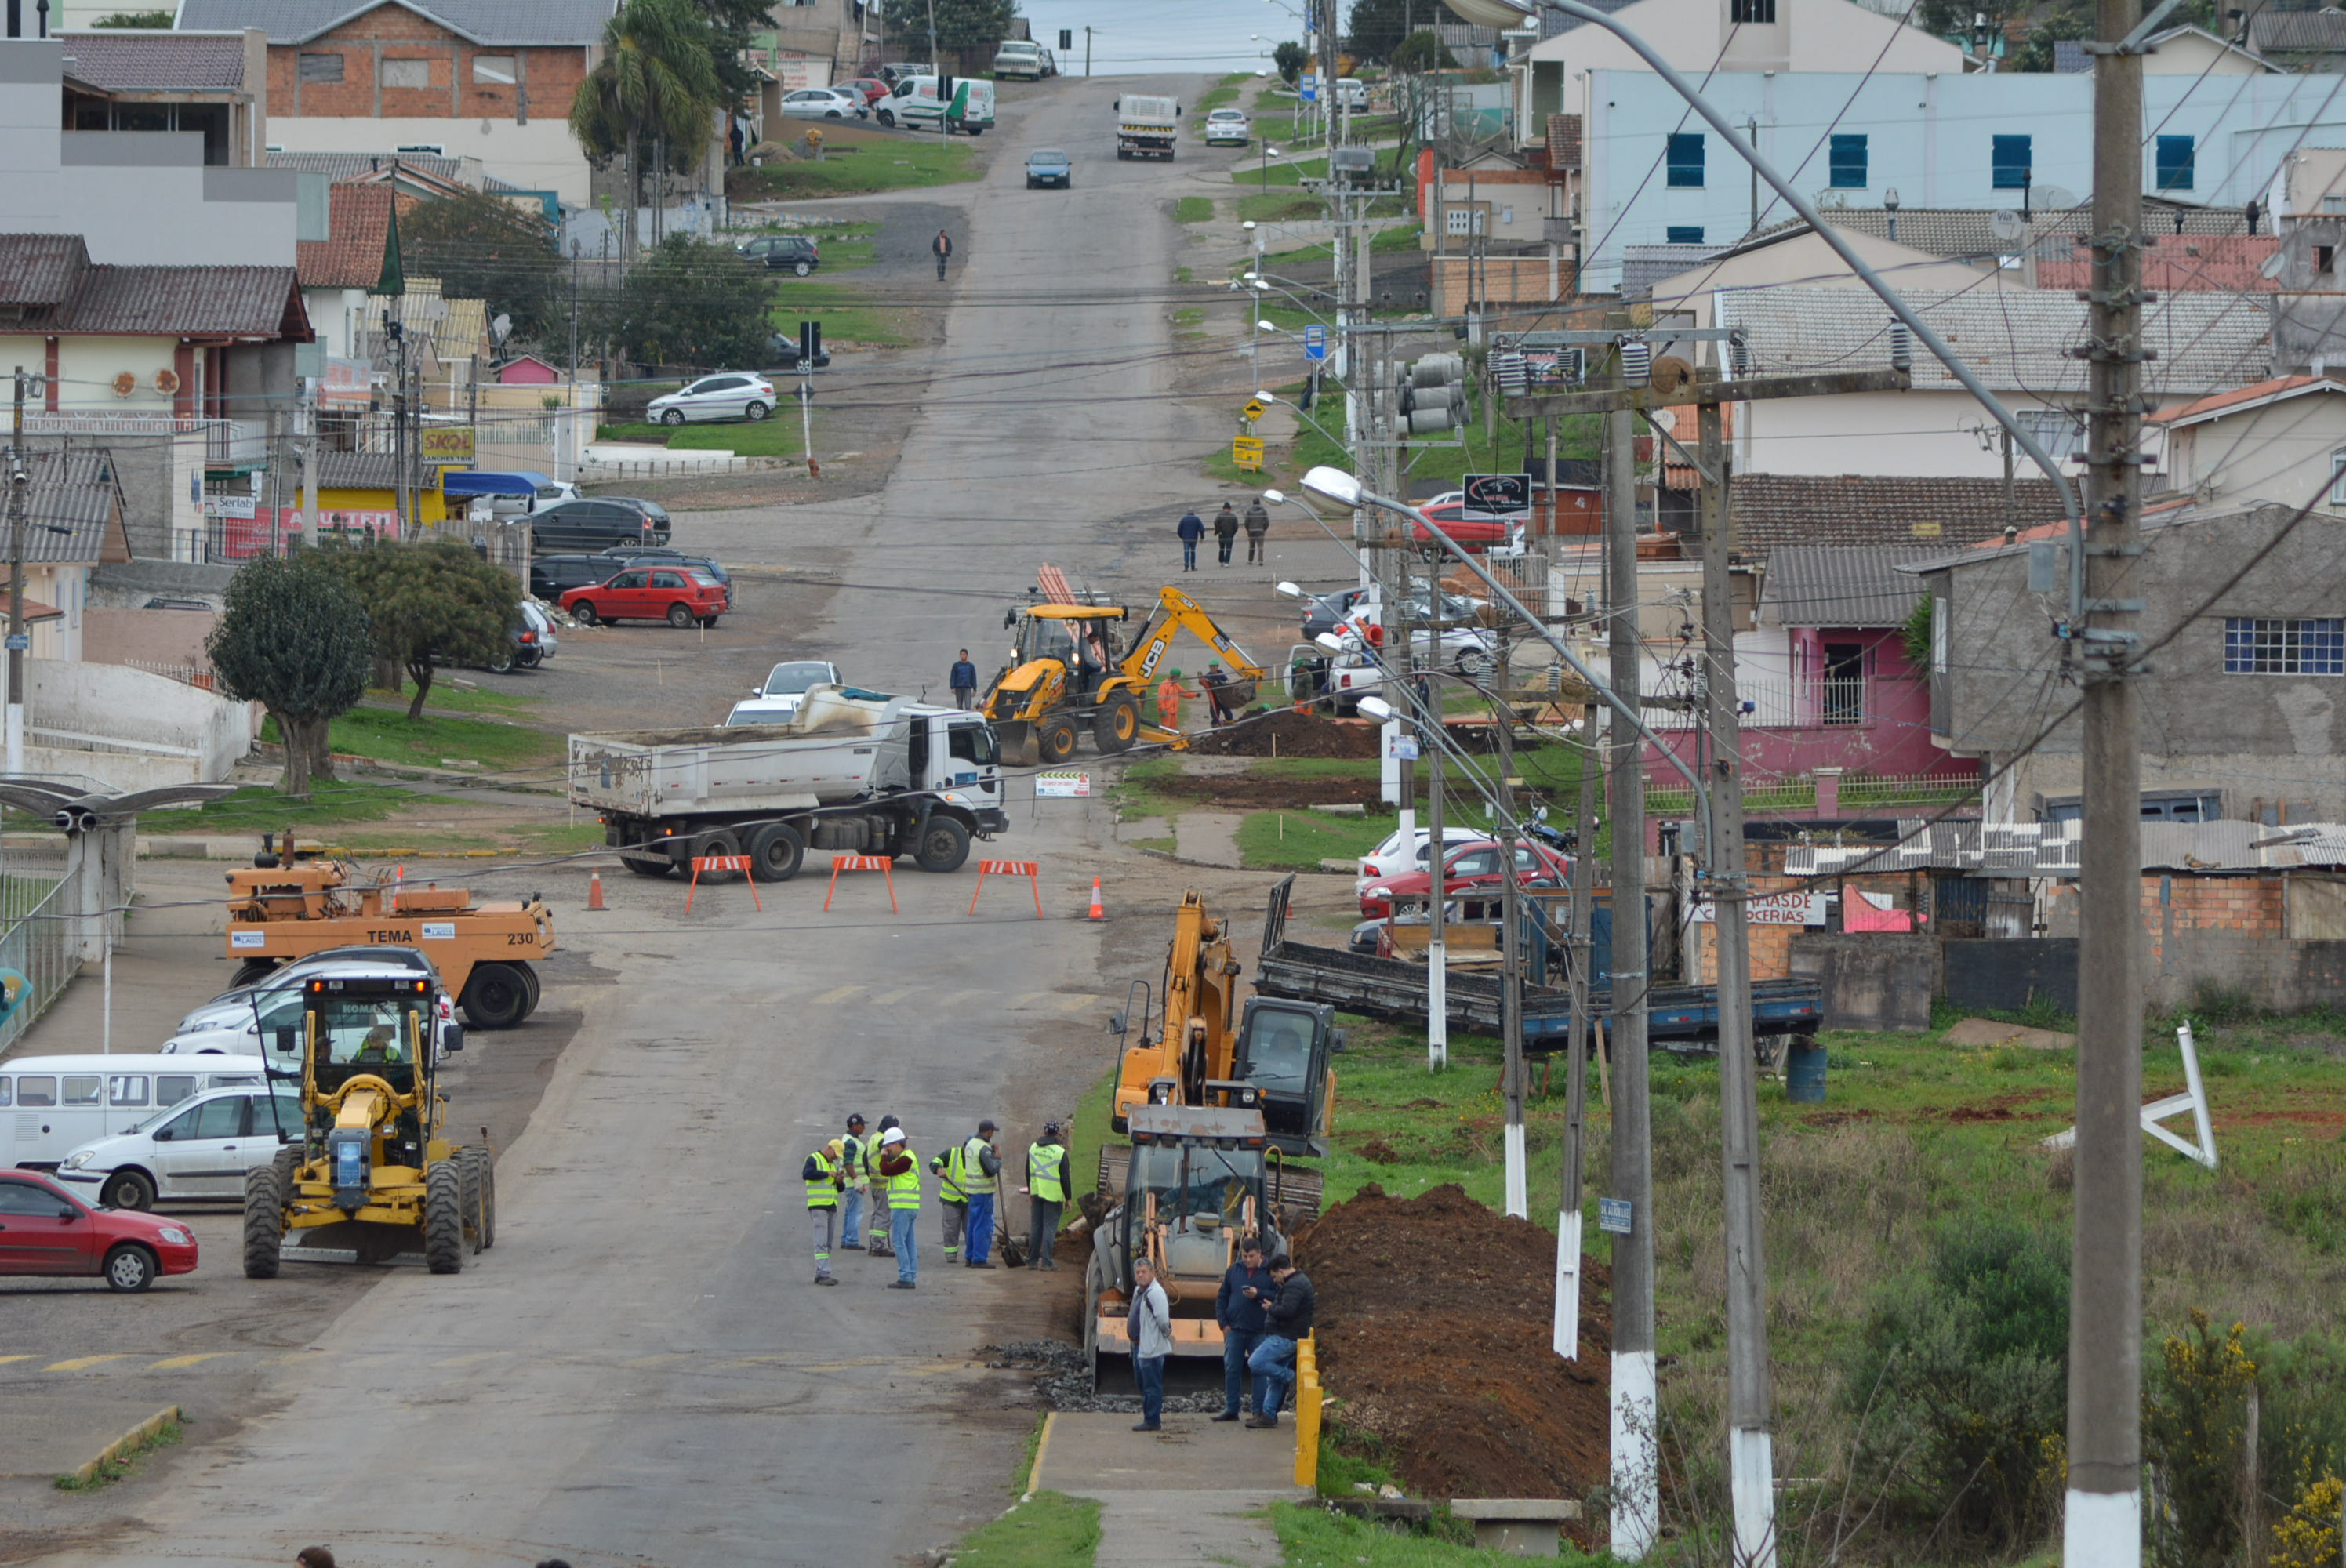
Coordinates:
1268	152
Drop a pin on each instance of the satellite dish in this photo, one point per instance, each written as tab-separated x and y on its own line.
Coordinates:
499	328
2008	224
2056	197
2274	265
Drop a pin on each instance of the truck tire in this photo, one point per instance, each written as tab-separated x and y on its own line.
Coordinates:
495	997
1117	724
251	972
287	1162
1055	739
468	1177
443	1219
488	1200
647	865
264	1222
943	846
776	852
715	844
529	978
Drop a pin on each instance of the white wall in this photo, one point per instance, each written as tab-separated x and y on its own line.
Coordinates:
539	156
144	198
1920	433
1809	262
2279	453
30	75
162	731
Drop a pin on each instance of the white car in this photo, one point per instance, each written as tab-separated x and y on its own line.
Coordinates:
199	1148
269	1022
786	685
730	394
824	104
507	507
231	1005
1393	858
1228	127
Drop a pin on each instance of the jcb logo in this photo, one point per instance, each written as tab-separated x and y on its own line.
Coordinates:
1157	646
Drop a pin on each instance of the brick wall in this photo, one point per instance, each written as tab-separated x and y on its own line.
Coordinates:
545	79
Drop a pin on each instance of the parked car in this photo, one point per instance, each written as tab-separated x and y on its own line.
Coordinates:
200	1149
505	507
596	522
1471	874
825	104
784	351
619	555
787	683
872	88
1225	128
267	1021
59	1103
1049	165
757	711
551	577
47	1231
237	1002
1392	857
914	104
1477	533
902	71
1352	92
533	643
1018	58
799	253
733	395
1328	611
677	595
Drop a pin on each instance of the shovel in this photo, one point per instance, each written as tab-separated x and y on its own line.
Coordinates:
1014	1253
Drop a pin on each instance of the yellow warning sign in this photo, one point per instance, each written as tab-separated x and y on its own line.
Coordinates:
1254	410
1246	451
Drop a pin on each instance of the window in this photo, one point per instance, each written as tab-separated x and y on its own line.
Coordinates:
2176	155
2012	159
84	1089
21	1197
220	1118
7	1084
2060	432
1844	684
1685	234
170	1088
127	1089
1685	158
40	1091
322	68
1848	162
2334	204
407	72
2338	479
1462	220
2256	646
493	70
1752	13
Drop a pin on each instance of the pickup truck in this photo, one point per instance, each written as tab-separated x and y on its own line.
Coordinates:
1681	1018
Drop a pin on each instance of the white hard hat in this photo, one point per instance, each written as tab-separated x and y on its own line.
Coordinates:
893	1136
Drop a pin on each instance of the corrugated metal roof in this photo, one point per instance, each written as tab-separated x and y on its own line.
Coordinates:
1828	586
2320	32
2013	339
75	507
1776	510
358	471
520	22
130	60
349	166
38	270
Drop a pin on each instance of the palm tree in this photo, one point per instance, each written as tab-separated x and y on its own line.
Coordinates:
657	77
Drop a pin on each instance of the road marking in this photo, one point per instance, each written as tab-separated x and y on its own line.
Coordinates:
480	1356
29	1355
83	1363
889	998
838	994
173	1363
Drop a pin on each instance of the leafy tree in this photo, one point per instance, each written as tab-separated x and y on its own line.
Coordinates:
689	302
2036	53
656	83
482	247
293	637
731	22
1290	59
158	21
1423	51
431	601
1376	28
961	24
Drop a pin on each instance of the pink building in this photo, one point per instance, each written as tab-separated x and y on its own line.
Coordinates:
528	371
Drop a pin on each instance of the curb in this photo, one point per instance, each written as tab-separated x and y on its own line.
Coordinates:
127	1441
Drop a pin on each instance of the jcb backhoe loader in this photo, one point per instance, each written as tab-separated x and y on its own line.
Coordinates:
1073	669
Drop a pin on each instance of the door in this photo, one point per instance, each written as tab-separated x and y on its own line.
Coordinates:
197	1152
624	595
667	588
1843	694
43	1232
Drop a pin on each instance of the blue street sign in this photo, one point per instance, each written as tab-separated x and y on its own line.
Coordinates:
1315	342
1309	86
1613	1215
19	643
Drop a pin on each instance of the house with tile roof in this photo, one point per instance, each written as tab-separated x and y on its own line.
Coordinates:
213	85
339	272
2282	441
486	79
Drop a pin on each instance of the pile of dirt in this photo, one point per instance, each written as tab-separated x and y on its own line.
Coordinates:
1283	732
1246	792
1434	1329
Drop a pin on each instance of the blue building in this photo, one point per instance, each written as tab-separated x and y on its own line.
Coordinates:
1654	174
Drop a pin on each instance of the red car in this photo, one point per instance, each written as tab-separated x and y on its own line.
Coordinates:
677	595
872	88
1449	517
1471	869
44	1229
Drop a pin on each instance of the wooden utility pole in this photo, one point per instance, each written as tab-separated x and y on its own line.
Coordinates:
1751	1445
2102	1526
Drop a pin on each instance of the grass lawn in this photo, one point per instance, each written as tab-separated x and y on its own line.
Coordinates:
846	316
1194	209
1053	1530
1313	1538
897	163
1299	841
778	435
257	809
388	735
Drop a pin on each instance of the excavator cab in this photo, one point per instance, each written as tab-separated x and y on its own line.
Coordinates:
1283	1050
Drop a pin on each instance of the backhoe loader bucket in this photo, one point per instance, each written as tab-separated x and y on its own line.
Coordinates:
1016	739
1237	694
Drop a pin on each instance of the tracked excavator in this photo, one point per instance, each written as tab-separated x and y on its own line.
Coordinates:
1074	668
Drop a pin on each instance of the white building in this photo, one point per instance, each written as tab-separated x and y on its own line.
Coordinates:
2282	439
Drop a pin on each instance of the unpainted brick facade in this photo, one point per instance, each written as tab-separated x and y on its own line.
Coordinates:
396	65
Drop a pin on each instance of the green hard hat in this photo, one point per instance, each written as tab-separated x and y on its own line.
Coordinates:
1172	675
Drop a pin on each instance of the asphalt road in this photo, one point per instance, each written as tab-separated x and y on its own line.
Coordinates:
641	1372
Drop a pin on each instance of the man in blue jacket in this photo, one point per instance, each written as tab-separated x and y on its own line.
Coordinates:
1240	1316
1191	529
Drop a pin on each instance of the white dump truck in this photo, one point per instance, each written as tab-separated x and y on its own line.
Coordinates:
1145	127
853	771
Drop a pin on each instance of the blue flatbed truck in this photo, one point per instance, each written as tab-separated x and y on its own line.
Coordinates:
1680	1018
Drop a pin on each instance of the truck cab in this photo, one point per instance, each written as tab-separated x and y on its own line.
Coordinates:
1283	1050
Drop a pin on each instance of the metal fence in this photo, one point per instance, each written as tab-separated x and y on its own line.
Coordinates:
35	940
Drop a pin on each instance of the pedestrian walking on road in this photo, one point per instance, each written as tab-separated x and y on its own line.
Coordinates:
1170	693
1148	1324
1238	1307
1258	524
900	1170
1046	1187
963	681
854	1162
942	249
1287	1319
1226	531
824	1181
882	1229
1191	528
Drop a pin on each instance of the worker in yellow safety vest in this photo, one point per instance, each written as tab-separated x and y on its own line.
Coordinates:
969	1174
825	1175
1046	1188
855	1176
900	1178
879	1189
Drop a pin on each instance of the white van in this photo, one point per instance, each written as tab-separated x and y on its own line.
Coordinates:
914	104
199	1149
50	1106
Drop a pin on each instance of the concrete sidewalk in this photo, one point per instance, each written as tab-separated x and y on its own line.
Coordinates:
1194	1492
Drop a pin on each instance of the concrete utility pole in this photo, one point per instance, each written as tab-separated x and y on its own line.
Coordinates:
1437	949
1636	1435
1511	954
312	447
20	483
1751	1446
2102	1526
1576	1095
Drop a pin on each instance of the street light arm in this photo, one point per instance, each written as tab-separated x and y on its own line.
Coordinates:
1866	274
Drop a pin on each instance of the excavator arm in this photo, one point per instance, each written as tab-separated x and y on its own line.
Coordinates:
1176	611
1200	987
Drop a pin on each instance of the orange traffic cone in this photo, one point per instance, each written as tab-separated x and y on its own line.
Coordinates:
595	890
1098	912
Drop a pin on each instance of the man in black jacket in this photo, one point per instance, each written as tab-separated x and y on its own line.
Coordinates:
1287	1321
1239	1310
1226	529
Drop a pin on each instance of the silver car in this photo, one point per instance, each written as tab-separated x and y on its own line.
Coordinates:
824	104
1226	128
730	394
